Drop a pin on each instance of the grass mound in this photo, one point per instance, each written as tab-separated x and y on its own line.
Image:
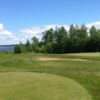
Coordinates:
39	86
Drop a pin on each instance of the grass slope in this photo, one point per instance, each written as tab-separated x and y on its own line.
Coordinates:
39	86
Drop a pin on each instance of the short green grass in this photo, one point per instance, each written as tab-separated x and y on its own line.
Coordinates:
96	54
86	73
91	56
39	86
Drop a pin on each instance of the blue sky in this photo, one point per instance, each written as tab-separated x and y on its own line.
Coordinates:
23	19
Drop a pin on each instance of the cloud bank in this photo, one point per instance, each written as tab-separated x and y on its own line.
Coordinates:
37	31
8	37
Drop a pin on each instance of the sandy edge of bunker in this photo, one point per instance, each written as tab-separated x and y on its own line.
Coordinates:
48	58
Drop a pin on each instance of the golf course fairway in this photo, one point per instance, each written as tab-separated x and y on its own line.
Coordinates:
39	86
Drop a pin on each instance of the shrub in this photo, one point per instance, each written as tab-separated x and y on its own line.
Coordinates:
29	48
18	49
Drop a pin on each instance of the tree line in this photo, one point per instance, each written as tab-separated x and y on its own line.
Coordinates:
59	40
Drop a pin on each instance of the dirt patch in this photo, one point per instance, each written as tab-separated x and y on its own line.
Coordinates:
47	58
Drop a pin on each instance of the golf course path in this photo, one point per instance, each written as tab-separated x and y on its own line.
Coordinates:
47	58
40	86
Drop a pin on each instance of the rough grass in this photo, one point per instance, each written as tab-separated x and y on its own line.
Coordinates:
39	86
86	73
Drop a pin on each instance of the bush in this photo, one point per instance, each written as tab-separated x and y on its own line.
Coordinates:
29	48
38	50
49	47
18	49
43	49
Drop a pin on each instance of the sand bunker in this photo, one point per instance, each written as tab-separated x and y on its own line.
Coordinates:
47	58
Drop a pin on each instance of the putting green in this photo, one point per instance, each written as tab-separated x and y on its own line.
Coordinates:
39	86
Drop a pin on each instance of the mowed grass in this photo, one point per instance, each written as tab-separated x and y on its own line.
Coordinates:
90	56
39	86
85	73
86	54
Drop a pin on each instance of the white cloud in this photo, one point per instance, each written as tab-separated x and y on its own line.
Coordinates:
54	26
6	36
30	32
96	24
5	32
1	26
37	31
